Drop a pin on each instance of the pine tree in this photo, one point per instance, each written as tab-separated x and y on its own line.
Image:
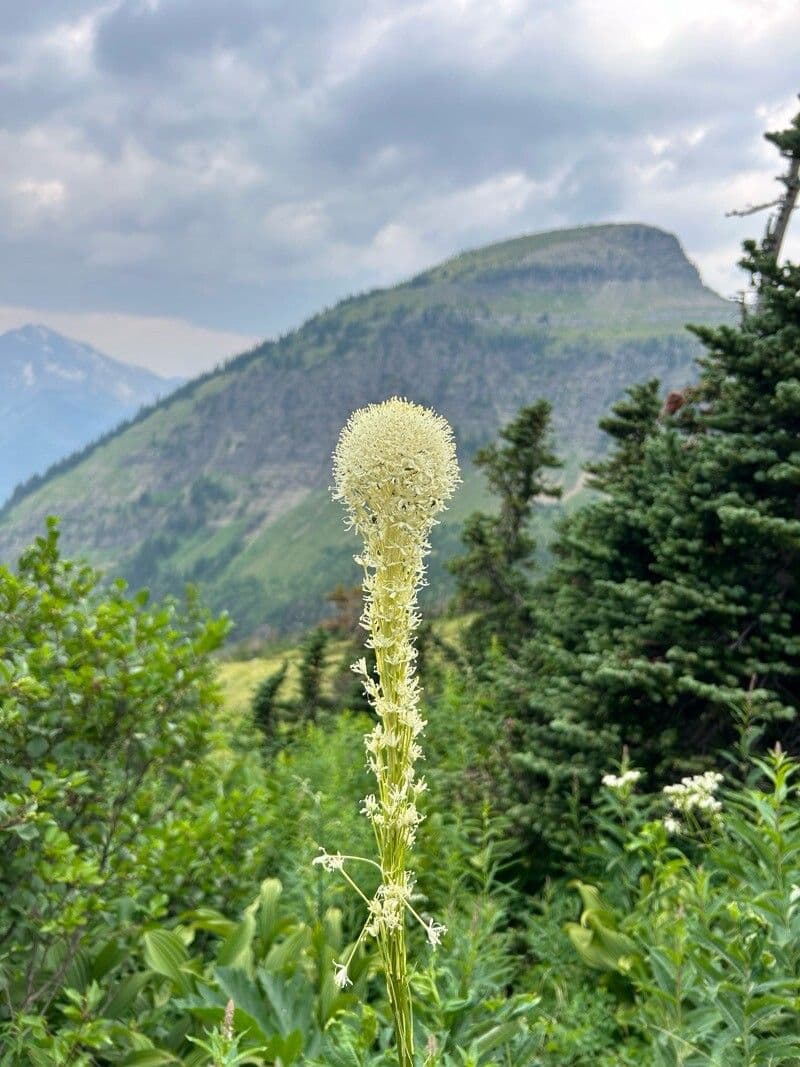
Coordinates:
494	574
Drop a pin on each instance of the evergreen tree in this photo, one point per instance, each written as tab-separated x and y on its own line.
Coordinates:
675	599
312	667
265	706
494	574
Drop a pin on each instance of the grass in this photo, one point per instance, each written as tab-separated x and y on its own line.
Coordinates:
239	677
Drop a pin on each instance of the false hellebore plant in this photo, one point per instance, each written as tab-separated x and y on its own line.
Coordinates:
394	467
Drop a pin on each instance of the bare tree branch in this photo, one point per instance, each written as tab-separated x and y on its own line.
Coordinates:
752	209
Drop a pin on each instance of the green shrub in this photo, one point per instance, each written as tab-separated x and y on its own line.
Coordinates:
701	944
106	706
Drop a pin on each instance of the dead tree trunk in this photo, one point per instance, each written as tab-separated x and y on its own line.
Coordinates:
788	142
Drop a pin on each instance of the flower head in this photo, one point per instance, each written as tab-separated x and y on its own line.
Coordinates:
620	782
695	794
340	975
329	861
435	932
395	465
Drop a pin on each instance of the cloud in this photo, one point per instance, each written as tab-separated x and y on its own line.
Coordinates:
235	166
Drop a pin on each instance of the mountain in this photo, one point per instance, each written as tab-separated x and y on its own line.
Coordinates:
224	482
56	395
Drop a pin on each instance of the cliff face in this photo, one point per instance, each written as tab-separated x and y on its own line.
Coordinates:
224	483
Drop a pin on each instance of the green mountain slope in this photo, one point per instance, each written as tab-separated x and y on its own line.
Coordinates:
224	483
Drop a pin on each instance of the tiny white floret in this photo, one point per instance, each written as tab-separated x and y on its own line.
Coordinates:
340	975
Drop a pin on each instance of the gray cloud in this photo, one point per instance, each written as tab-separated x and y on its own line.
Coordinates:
239	164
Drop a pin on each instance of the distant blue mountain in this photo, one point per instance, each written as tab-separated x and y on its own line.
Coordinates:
57	395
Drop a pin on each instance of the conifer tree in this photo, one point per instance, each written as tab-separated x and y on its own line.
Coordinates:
312	666
494	574
265	706
675	598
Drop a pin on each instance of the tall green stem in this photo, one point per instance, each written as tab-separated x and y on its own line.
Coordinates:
394	467
392	621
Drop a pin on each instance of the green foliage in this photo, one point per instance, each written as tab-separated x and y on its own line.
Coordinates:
265	701
158	901
106	705
274	716
312	666
706	934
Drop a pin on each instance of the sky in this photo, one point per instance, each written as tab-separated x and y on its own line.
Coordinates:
182	178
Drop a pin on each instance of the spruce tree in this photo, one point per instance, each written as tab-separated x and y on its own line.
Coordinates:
312	668
675	599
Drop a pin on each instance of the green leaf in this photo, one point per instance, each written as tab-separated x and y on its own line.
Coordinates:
237	949
126	993
166	954
148	1058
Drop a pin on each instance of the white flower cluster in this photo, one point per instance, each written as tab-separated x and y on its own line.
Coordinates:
328	862
387	909
394	467
694	795
620	782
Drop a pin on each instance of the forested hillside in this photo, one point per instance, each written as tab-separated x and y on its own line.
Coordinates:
224	484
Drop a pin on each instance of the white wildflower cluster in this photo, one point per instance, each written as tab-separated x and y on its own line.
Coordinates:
394	467
328	862
387	909
620	783
694	796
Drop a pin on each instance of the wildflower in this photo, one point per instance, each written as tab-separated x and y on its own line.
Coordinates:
360	667
435	932
329	862
340	975
695	794
394	468
672	825
620	782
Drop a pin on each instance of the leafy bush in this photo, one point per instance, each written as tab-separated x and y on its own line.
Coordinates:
698	936
106	709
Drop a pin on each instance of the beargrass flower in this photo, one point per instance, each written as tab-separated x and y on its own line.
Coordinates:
394	468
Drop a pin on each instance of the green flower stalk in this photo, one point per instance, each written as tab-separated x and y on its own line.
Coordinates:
394	467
